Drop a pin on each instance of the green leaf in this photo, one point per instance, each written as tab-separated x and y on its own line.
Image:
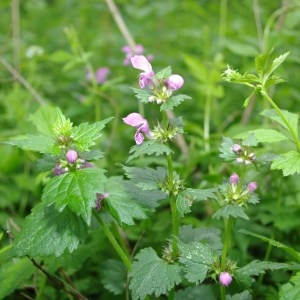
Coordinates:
13	273
290	117
60	56
113	276
288	162
186	198
85	134
210	236
245	295
43	119
61	125
173	102
276	63
148	148
147	199
152	275
291	290
225	149
142	95
196	292
263	135
197	259
39	143
47	231
261	62
254	268
230	210
289	250
146	178
76	190
164	73
120	205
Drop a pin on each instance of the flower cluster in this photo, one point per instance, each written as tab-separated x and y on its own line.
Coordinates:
244	155
235	191
71	163
139	50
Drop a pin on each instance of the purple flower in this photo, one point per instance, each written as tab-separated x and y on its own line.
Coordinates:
234	179
140	62
225	278
100	197
58	170
141	125
252	186
100	75
71	156
174	82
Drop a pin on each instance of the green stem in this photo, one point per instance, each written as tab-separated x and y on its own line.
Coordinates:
125	258
206	126
227	238
222	292
281	115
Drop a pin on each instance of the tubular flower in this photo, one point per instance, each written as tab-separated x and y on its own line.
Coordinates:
71	156
140	62
174	82
141	125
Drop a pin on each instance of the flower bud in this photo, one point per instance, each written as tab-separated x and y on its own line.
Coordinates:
225	278
236	148
174	82
71	156
252	186
234	179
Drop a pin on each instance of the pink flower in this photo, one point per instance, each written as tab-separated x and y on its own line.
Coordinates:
236	148
141	125
225	278
252	186
101	75
174	82
140	62
71	156
234	179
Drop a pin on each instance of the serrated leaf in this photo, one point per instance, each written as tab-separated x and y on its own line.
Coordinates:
196	292
148	199
276	63
76	190
142	95
120	205
209	236
173	102
61	125
186	198
197	259
263	135
254	268
152	275
47	231
113	276
289	250
225	149
230	210
291	290
84	135
291	118
245	295
43	119
146	178
39	143
13	273
148	148
260	63
288	162
164	73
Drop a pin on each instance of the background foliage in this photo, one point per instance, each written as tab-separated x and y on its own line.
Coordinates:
198	39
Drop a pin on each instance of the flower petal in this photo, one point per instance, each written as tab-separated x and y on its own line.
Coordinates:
140	62
134	119
138	137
